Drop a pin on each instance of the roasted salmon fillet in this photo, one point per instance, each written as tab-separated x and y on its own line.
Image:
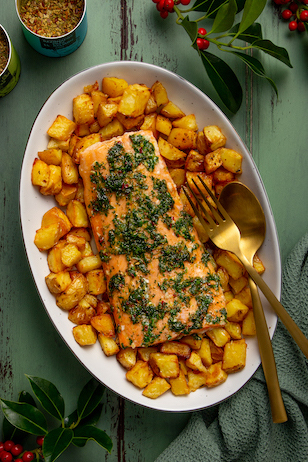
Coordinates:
160	280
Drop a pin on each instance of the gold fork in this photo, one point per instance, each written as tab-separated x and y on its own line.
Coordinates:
224	233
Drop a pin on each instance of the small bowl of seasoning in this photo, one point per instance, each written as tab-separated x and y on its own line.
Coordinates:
54	28
9	64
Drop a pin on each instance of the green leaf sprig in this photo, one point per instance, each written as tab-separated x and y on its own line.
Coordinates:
226	34
23	417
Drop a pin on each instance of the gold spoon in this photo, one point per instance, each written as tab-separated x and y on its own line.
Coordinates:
246	211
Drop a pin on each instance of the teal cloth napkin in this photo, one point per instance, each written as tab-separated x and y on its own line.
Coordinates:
240	429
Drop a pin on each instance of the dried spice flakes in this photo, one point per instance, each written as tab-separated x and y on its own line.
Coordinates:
4	51
51	18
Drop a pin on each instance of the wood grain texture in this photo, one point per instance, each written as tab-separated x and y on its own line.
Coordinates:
273	129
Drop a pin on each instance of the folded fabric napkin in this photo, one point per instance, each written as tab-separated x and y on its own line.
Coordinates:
241	429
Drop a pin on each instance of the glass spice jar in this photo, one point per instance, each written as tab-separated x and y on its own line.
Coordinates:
9	64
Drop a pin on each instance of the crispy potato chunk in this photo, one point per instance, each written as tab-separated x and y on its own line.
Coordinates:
189	121
177	348
179	385
258	265
245	296
196	379
157	387
67	193
214	138
61	128
231	160
144	352
193	341
90	263
236	310
127	357
248	324
172	111
234	330
40	173
73	293
58	282
96	282
84	334
182	138
234	357
108	344
169	151
134	100
230	262
55	215
212	161
205	352
54	183
106	112
215	375
114	128
83	110
178	176
194	362
219	336
113	86
70	255
47	236
77	214
54	259
104	323
51	156
238	284
164	365
140	374
194	161
81	314
160	94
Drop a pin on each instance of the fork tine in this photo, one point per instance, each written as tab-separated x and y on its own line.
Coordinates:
224	214
195	209
207	216
214	212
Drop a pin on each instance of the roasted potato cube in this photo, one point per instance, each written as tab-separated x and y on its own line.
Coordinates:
108	344
106	112
77	214
215	375
61	128
90	263
238	284
196	379
127	357
164	365
151	106
59	144
172	111
81	314
54	184
67	193
234	358
178	176
104	323
83	109
113	86
230	262
201	143
84	143
234	330
114	128
55	215
156	388
54	260
163	125
73	294
160	94
96	282
47	236
97	98
58	282
40	173
228	295
130	122
70	255
231	160
182	138
214	137
177	348
79	241
193	341
83	130
140	374
194	362
212	161
189	121
221	175
258	265
193	177
236	310
149	123
69	169
194	161
245	296
102	307
248	324
91	87
79	232
216	352
205	352
219	336
224	278
144	352
134	100
51	156
169	151
179	385
84	334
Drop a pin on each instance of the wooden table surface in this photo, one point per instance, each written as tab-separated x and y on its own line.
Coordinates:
275	131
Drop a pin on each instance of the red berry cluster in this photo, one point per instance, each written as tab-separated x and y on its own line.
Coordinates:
9	450
296	12
166	6
202	43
